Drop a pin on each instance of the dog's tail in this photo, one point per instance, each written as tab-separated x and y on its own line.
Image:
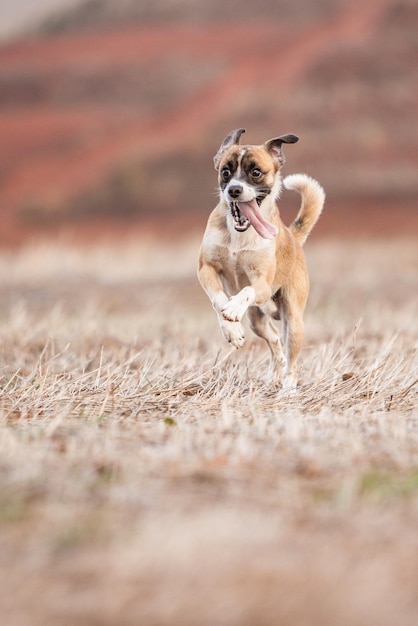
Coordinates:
313	198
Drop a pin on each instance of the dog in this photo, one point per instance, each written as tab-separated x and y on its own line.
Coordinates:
249	261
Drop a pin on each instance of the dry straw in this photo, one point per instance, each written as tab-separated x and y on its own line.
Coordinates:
141	453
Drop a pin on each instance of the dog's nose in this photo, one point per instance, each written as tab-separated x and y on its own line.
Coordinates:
234	191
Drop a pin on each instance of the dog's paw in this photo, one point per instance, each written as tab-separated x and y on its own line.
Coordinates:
231	312
233	333
236	307
289	383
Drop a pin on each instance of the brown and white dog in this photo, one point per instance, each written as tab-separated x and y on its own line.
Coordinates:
249	261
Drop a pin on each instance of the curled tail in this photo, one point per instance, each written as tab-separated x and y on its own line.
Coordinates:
313	198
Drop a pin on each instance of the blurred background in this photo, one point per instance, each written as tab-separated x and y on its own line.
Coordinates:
111	112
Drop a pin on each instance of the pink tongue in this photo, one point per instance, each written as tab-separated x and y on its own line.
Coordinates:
252	213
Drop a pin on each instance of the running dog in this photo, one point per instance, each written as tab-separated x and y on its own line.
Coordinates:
249	261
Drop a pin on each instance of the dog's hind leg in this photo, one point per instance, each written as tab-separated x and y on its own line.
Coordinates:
293	337
263	326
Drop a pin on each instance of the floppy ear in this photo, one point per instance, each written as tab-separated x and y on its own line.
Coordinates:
230	140
274	146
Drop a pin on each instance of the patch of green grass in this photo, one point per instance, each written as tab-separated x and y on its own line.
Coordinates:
84	531
384	486
13	508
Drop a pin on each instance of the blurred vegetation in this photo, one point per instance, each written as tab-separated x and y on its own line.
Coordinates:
149	101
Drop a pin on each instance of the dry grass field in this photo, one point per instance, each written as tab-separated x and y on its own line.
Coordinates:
148	476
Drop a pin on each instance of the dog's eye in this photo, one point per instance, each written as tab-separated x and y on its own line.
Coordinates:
256	173
226	173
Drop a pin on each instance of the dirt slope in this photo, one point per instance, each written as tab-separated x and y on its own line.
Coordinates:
87	118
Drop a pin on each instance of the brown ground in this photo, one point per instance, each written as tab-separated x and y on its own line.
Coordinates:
148	474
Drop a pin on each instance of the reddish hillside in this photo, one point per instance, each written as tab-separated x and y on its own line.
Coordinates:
123	122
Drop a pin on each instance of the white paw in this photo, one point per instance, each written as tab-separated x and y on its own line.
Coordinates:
236	307
233	333
233	311
289	383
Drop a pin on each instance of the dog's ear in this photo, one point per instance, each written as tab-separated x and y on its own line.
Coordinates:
230	140
274	146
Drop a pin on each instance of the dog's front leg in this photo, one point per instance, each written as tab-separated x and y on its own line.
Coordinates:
209	278
236	307
258	293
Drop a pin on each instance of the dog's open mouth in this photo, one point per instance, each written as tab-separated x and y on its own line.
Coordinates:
241	223
246	214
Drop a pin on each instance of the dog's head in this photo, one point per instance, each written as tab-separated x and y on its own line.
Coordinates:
247	175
